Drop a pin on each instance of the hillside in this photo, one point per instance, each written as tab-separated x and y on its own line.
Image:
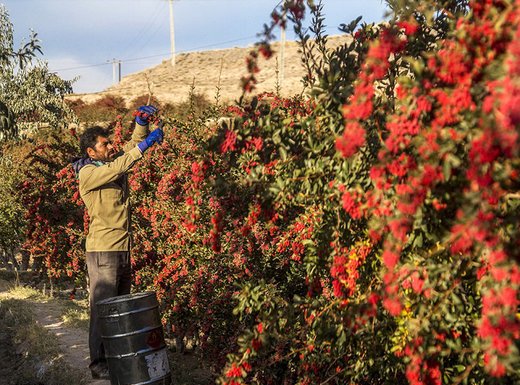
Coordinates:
205	69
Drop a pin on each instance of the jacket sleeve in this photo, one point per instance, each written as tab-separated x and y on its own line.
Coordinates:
140	133
92	177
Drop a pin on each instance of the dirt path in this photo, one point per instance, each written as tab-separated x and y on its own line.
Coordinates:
72	345
73	342
9	362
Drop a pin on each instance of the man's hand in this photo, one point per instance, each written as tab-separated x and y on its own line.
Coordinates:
156	136
144	115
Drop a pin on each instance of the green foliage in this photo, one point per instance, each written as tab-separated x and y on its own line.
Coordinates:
37	97
28	90
8	56
7	122
11	208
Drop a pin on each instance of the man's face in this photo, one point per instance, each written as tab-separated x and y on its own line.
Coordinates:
103	150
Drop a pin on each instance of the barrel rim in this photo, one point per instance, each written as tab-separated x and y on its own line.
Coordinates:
126	298
125	313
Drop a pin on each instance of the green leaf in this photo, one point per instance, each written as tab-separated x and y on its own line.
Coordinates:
460	368
283	153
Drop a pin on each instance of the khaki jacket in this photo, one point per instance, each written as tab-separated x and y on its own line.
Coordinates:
104	189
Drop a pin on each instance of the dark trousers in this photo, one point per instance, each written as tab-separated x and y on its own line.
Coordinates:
110	275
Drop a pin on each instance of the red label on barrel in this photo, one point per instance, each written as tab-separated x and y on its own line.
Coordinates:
154	339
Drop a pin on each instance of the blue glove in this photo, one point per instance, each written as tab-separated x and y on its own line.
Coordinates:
143	114
156	136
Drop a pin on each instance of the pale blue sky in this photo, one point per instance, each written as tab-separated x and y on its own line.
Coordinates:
79	37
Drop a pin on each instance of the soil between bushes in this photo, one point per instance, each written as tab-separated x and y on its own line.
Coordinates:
12	368
10	362
17	367
35	346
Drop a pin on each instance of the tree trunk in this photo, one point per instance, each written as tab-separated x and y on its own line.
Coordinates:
12	257
4	260
26	257
37	264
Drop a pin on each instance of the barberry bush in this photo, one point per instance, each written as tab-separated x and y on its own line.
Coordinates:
417	279
365	232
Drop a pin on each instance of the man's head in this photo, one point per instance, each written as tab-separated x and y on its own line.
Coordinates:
95	143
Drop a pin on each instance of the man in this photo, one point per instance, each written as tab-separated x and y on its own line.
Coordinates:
103	186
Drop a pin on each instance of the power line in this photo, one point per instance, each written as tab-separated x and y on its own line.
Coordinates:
157	26
152	16
79	67
153	31
153	56
168	53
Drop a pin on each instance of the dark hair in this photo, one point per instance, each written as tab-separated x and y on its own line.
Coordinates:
89	138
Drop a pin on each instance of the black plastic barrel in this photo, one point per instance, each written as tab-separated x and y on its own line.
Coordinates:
133	339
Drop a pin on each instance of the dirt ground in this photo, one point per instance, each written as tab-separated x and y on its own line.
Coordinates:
72	343
9	361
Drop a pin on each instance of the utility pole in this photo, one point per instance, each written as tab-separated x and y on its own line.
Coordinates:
281	61
116	69
172	34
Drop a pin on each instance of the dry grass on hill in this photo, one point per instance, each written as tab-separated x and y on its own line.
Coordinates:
205	70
